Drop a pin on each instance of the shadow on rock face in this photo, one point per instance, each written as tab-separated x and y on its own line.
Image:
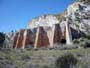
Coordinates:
2	38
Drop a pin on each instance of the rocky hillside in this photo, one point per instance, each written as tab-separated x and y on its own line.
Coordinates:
84	1
78	13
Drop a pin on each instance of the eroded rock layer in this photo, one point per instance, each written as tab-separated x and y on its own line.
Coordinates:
42	39
20	39
51	30
23	39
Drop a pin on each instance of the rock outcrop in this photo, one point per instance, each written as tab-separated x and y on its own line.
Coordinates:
41	39
51	30
23	39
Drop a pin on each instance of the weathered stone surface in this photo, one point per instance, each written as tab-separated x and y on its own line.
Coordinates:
68	33
23	39
15	40
50	33
29	38
57	34
63	37
42	39
20	39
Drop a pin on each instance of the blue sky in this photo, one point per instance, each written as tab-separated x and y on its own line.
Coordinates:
16	14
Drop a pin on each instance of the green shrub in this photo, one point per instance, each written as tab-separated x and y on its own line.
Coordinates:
88	36
85	44
76	41
66	61
68	47
82	42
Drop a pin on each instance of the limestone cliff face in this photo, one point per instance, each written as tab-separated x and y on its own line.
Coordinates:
45	20
78	12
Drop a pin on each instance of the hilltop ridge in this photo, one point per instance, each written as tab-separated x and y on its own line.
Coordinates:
78	12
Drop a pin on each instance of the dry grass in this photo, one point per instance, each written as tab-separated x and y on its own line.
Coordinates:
31	58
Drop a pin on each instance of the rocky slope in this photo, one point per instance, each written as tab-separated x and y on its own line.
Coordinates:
78	13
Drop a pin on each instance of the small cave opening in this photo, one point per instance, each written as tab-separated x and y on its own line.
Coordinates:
31	44
63	41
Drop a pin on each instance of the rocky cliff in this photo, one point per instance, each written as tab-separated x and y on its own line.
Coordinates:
51	30
78	13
